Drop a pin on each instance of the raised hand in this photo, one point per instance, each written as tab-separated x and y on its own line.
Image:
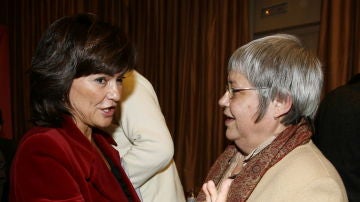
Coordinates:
214	195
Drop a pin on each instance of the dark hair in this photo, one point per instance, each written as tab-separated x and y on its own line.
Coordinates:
73	47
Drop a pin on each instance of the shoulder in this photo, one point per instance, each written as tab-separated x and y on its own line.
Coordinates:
302	168
342	96
307	160
40	145
143	84
141	80
136	88
42	135
48	142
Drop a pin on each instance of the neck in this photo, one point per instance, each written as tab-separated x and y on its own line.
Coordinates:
85	129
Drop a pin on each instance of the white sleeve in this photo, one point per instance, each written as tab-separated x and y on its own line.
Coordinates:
143	139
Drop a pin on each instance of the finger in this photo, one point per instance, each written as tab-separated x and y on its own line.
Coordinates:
212	190
206	191
224	190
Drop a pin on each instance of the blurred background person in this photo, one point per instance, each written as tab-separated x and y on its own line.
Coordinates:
274	87
145	143
75	83
337	135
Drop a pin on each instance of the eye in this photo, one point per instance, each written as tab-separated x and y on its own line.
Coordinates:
120	79
101	80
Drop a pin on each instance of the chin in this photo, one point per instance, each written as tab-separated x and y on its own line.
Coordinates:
104	124
231	135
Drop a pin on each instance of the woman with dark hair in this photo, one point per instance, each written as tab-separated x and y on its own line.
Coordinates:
75	84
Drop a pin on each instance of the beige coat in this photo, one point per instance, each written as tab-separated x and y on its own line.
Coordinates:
145	143
302	175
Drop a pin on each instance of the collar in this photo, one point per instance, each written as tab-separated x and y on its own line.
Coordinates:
70	126
258	149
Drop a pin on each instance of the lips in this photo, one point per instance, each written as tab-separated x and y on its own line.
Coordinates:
108	111
228	119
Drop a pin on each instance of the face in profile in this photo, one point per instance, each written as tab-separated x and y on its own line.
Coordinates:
93	100
240	112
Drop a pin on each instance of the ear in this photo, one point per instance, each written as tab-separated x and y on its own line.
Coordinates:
282	106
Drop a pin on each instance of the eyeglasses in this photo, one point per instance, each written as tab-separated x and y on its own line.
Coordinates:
232	91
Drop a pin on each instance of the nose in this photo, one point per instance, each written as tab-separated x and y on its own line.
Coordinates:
114	92
224	101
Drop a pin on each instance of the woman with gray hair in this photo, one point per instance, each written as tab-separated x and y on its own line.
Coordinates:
273	91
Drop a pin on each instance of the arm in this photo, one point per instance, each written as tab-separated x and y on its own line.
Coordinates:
144	141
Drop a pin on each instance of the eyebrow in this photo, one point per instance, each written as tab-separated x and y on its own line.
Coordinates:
230	82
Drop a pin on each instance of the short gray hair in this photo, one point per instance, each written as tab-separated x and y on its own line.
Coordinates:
281	64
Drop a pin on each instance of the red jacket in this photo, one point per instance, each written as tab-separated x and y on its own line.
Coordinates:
60	164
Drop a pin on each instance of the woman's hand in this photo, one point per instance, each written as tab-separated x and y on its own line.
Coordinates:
214	195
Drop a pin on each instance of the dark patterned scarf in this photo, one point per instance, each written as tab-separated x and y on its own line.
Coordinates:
246	181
